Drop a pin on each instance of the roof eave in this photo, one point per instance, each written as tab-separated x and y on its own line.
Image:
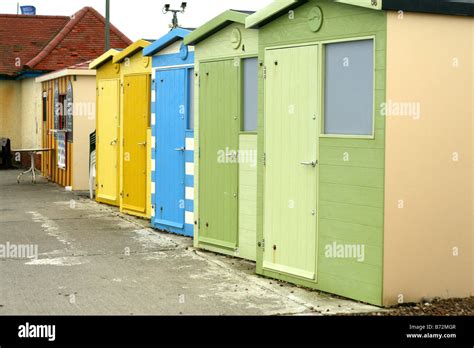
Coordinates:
279	7
456	8
270	12
166	40
65	72
214	25
135	47
101	60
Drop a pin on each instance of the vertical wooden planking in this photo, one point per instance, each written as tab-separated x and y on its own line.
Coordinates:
134	69
220	125
248	196
170	150
135	125
291	190
108	143
108	130
218	49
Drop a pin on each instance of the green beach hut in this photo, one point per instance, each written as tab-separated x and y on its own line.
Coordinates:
355	97
226	68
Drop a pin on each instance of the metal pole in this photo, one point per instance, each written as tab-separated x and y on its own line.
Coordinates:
17	8
107	25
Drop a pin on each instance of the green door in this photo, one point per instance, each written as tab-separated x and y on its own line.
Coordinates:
219	126
291	148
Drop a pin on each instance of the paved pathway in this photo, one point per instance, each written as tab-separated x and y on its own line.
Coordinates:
94	260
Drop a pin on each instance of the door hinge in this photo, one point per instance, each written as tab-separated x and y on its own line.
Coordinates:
264	159
264	72
261	244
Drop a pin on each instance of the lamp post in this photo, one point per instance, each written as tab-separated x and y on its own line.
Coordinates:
107	25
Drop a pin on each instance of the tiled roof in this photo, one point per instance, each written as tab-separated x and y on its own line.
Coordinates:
50	43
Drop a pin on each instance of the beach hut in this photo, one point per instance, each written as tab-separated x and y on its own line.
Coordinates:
68	97
365	147
225	134
135	131
108	128
172	137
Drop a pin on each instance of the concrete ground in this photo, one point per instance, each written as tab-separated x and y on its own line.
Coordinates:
94	260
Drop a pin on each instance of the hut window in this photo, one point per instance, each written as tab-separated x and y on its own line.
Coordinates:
349	88
191	99
250	72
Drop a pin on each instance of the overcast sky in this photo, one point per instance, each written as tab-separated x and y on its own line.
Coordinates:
140	18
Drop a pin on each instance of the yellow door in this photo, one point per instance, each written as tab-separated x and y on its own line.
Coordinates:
135	122
107	141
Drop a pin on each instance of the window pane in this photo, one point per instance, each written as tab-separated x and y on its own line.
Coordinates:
250	66
349	88
191	99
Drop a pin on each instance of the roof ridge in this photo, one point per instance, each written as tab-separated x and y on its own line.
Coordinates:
113	28
11	15
75	18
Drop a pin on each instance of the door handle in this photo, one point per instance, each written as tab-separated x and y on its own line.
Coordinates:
312	163
142	144
113	142
180	149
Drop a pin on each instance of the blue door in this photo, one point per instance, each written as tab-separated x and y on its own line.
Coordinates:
171	118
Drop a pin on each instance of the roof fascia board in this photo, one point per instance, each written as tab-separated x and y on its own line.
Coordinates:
131	50
214	25
166	40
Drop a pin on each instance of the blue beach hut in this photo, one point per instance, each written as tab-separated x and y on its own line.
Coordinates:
172	123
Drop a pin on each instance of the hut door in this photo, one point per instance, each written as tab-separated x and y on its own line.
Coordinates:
171	117
219	126
135	123
107	144
291	148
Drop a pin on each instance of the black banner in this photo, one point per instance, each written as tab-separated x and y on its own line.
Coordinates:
188	330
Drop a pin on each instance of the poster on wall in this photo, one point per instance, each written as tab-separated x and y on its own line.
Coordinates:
57	108
61	148
69	112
